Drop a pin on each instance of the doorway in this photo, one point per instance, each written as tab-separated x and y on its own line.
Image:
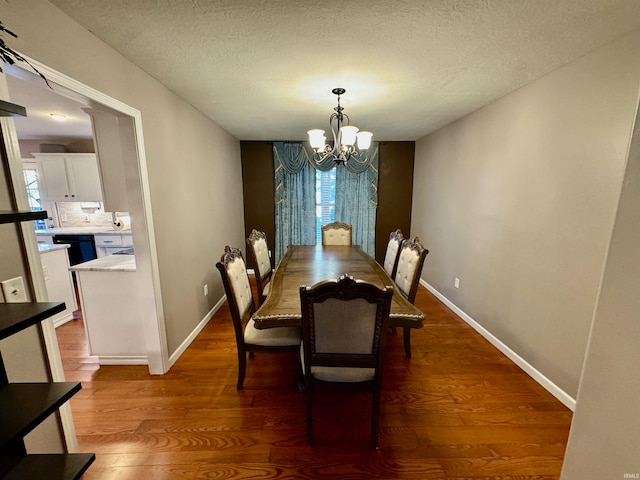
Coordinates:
147	277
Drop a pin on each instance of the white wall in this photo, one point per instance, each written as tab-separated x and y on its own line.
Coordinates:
604	433
518	199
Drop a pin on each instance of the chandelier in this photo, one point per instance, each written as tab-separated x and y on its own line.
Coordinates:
348	142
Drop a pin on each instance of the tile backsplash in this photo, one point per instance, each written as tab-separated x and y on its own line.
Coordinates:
83	214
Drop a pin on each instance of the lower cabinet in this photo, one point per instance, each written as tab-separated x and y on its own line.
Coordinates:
111	309
59	281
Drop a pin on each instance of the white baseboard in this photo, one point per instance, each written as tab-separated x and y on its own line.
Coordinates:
181	349
122	360
63	320
547	384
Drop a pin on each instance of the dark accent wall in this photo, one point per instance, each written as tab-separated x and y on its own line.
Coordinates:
258	189
395	190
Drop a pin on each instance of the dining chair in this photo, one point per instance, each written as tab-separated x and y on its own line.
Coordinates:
261	263
336	233
242	307
393	249
343	331
391	257
407	276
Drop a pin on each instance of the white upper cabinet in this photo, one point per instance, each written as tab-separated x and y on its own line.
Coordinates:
68	177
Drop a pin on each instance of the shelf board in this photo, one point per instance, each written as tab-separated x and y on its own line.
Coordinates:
8	109
7	216
53	466
18	316
25	405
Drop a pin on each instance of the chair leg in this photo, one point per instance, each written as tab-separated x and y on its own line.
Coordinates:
407	342
242	368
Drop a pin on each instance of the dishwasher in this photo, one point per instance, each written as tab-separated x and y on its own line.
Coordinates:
82	248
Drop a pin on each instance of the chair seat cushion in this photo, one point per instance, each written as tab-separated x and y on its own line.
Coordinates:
272	337
339	374
266	290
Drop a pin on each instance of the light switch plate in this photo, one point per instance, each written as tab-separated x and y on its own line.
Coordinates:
14	291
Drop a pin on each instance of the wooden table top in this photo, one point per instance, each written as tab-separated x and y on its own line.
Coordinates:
310	264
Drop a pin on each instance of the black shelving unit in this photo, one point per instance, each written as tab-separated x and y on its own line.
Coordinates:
8	109
21	216
23	406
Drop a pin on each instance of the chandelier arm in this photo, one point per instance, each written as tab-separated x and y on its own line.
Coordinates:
361	156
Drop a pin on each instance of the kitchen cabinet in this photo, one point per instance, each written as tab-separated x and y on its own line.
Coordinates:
112	310
44	239
68	177
58	280
109	244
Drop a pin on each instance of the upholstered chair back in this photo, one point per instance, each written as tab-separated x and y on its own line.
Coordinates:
336	233
391	255
261	262
257	242
237	287
409	268
334	334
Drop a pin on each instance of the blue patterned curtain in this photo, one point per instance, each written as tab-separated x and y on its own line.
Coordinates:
295	197
357	200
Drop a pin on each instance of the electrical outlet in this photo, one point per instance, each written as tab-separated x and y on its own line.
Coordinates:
456	283
14	291
206	289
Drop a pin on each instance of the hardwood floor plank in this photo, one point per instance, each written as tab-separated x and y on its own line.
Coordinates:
458	409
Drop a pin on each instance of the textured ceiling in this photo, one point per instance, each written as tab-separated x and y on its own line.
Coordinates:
264	69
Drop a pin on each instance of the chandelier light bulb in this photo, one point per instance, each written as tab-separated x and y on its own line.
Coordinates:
364	140
316	138
348	136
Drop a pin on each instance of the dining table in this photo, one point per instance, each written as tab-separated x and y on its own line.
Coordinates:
310	264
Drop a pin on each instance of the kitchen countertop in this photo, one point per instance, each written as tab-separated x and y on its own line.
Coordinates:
112	263
50	247
82	231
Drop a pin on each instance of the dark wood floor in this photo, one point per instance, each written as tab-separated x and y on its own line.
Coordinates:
458	409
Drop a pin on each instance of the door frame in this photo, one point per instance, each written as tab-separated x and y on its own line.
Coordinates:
142	227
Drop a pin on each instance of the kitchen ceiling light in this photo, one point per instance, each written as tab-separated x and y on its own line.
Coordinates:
58	117
348	142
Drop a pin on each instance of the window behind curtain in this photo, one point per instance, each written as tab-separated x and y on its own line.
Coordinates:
325	200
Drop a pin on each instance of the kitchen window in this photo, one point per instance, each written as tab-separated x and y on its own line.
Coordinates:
30	172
